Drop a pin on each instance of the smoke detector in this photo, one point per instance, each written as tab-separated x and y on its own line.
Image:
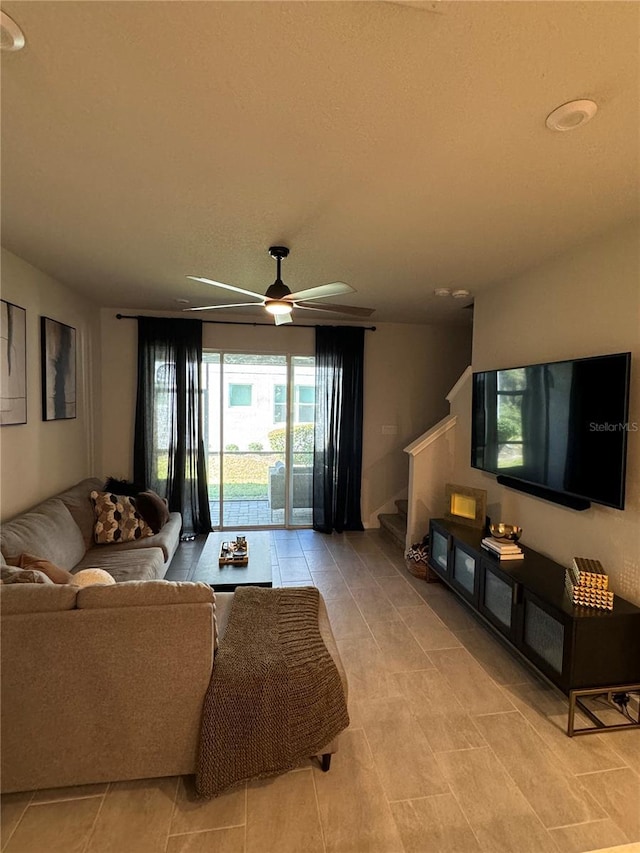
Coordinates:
11	36
571	115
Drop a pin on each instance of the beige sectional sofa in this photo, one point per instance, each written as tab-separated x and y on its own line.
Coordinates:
61	530
104	683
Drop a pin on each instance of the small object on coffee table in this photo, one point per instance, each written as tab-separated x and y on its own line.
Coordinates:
231	554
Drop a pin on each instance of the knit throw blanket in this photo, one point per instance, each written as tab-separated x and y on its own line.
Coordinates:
275	696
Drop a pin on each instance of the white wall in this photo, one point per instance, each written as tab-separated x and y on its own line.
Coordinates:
585	302
41	458
408	371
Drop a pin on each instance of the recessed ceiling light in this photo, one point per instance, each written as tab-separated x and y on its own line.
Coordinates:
571	115
460	294
11	36
442	291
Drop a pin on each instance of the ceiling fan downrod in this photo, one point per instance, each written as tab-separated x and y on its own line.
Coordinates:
278	289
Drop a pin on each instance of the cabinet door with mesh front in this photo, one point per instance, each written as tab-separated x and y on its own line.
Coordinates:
545	638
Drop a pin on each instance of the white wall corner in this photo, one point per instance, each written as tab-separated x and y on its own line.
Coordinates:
459	384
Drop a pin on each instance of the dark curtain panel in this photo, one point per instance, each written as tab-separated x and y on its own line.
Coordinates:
168	454
337	459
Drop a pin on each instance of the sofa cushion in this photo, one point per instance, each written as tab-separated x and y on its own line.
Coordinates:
117	519
23	598
153	509
47	530
53	572
143	564
168	539
77	501
145	594
16	574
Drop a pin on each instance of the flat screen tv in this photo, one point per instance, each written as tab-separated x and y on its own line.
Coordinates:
557	430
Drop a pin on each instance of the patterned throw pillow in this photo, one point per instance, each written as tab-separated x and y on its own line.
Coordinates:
117	519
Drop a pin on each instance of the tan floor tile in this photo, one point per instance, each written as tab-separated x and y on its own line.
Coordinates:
346	620
193	815
428	629
331	585
555	795
587	836
75	792
455	615
578	754
213	841
500	816
399	649
310	540
617	791
367	674
354	811
357	576
135	815
626	745
324	564
399	591
282	815
435	707
438	819
502	665
12	807
379	565
374	605
476	692
288	548
62	827
294	569
405	763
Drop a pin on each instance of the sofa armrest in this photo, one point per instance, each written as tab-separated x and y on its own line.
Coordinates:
100	694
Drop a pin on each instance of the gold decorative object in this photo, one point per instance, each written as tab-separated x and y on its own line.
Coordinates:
506	531
586	572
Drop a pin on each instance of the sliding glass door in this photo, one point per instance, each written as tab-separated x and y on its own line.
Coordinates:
259	421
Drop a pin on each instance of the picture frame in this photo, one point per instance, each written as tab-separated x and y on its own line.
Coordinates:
13	364
58	350
466	505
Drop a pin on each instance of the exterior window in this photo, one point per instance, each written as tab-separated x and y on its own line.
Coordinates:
279	404
240	395
305	404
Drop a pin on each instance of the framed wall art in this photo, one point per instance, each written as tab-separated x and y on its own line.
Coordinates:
58	370
13	364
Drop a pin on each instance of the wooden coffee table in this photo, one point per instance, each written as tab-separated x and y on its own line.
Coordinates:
257	572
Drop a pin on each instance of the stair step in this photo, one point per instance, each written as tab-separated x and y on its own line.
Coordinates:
403	507
395	525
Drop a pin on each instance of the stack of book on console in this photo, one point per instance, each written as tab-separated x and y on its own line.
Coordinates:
502	548
588	584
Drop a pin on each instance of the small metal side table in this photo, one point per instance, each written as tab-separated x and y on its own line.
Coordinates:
577	702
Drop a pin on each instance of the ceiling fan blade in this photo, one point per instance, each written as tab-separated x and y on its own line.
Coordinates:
213	307
337	309
281	319
226	286
334	288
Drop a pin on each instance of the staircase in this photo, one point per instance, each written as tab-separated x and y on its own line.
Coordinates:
395	524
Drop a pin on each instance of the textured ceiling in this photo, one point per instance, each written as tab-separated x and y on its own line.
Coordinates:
396	146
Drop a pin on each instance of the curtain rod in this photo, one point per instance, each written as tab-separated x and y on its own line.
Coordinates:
233	322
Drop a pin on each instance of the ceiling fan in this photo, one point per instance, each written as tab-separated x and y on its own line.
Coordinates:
279	301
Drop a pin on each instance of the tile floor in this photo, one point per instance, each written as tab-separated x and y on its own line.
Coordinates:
453	745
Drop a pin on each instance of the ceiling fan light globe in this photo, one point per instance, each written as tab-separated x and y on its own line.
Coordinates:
277	306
